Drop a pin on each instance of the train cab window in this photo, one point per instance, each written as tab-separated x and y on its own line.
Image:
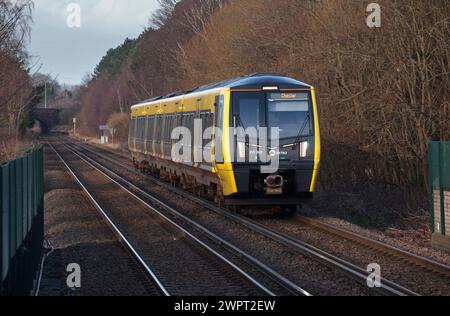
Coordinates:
249	113
291	113
248	110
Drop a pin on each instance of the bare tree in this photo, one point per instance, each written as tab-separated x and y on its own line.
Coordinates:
197	16
163	13
382	93
15	18
15	83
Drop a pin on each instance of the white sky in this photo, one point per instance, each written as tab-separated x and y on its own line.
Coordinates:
70	53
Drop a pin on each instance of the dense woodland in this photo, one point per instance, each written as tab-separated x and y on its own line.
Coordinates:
21	85
382	92
16	91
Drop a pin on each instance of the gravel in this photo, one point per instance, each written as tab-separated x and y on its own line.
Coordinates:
393	269
77	233
312	276
184	269
408	241
413	241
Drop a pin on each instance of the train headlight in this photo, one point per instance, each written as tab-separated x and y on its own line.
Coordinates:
304	149
241	149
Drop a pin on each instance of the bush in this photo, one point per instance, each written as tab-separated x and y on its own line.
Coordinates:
121	122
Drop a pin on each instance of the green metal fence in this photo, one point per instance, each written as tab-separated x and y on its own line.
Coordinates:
439	172
21	222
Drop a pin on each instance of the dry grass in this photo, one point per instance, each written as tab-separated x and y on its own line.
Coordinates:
10	148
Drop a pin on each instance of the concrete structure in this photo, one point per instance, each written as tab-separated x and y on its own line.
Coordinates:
49	118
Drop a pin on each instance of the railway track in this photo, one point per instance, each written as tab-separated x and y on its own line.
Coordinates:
151	277
422	262
399	254
233	271
96	230
361	275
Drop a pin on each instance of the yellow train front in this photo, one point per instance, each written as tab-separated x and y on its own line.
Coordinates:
232	174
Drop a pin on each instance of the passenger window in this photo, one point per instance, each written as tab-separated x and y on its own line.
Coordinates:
158	129
138	128
166	123
167	129
150	129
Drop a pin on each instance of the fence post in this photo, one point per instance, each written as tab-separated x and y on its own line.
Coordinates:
4	223
12	212
19	206
24	198
41	192
441	186
431	146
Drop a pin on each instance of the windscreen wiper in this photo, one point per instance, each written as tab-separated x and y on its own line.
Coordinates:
239	121
300	134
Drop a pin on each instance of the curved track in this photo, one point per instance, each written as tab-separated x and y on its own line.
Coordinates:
259	280
399	254
413	259
335	262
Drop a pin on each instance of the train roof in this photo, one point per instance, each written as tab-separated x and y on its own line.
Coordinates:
253	81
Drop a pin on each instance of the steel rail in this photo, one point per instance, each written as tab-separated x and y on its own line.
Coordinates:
358	273
284	282
429	264
150	273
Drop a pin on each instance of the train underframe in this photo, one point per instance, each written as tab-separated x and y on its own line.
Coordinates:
203	183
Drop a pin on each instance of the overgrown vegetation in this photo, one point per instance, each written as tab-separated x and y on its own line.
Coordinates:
119	122
16	91
382	93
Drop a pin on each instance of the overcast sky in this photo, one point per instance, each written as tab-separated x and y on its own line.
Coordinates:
70	53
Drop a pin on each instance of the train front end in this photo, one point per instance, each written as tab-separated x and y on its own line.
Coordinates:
275	142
